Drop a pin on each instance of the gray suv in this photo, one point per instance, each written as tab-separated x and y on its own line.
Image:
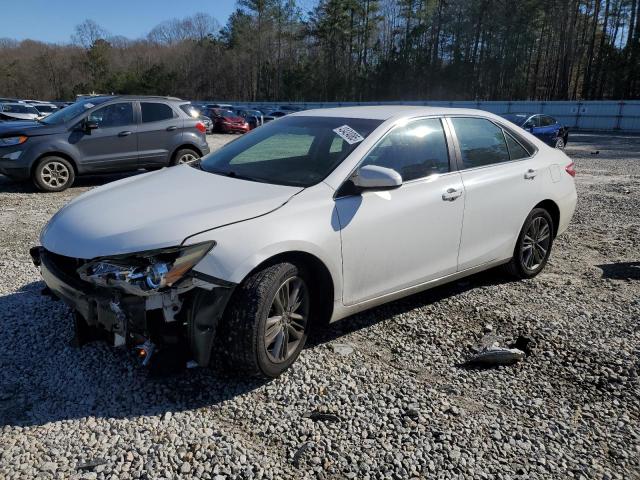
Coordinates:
99	135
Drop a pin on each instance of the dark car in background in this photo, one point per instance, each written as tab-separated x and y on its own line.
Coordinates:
99	135
545	127
254	118
227	121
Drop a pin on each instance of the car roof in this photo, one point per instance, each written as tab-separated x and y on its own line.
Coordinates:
385	112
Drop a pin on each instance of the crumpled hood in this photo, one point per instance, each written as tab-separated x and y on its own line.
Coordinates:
156	210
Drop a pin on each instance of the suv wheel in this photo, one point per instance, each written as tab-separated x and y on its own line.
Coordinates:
185	155
533	246
53	174
267	322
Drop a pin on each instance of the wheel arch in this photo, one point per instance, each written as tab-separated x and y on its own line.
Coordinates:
319	273
552	208
189	146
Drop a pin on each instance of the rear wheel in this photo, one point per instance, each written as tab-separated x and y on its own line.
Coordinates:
53	174
533	246
267	322
185	155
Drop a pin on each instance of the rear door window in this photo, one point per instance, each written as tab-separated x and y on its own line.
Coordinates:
481	142
155	112
516	151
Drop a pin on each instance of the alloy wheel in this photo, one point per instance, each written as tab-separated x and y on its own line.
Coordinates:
55	174
535	244
287	320
187	158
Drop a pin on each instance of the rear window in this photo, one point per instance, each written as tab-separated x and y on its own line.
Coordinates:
190	110
155	112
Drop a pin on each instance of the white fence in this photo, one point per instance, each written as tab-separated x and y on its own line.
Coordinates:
589	115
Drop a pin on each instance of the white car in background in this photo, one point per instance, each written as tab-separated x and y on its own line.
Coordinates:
45	109
306	220
18	111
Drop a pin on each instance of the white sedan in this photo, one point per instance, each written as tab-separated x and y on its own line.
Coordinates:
304	221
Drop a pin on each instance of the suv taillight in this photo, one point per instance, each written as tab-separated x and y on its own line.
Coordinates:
571	169
200	126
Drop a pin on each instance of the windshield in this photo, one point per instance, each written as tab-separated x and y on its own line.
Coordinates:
296	151
72	111
517	118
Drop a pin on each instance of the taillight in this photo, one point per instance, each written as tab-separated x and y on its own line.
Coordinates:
571	169
200	126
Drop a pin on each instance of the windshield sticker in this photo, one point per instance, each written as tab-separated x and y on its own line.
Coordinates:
348	134
89	105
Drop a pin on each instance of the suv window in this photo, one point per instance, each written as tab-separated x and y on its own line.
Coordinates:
481	142
547	121
155	112
114	115
416	150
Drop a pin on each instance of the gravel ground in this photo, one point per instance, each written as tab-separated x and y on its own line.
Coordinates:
379	395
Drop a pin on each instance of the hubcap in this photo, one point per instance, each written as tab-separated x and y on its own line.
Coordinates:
287	320
560	143
187	157
535	244
55	174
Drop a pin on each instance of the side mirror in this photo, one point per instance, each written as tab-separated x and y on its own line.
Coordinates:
88	126
373	177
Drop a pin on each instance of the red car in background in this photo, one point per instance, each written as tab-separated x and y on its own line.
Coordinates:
227	121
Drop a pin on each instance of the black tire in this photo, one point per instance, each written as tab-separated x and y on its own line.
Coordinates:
242	338
560	143
184	155
53	174
520	266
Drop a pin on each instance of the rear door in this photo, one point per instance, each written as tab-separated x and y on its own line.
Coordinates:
113	145
501	184
160	131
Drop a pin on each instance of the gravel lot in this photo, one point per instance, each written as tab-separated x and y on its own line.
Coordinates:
397	406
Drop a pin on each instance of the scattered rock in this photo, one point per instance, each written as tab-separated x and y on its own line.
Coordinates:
341	349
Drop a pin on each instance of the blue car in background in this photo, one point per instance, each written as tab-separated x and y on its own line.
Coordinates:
546	128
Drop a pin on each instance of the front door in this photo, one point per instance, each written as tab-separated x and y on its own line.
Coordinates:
396	239
113	145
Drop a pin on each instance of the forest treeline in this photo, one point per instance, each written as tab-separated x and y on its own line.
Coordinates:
334	50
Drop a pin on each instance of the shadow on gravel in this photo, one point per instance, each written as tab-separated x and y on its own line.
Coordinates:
8	185
44	379
381	313
621	270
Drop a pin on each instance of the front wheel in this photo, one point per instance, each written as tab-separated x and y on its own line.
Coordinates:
560	143
53	174
533	246
267	322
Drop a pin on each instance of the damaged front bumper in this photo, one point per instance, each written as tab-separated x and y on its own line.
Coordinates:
185	315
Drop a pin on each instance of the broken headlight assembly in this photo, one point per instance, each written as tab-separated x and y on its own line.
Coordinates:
144	273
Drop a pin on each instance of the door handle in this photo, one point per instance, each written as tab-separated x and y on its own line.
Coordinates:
530	174
126	133
171	128
451	194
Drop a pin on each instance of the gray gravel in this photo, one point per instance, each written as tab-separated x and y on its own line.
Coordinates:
379	395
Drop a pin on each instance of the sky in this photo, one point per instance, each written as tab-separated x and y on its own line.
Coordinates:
54	20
